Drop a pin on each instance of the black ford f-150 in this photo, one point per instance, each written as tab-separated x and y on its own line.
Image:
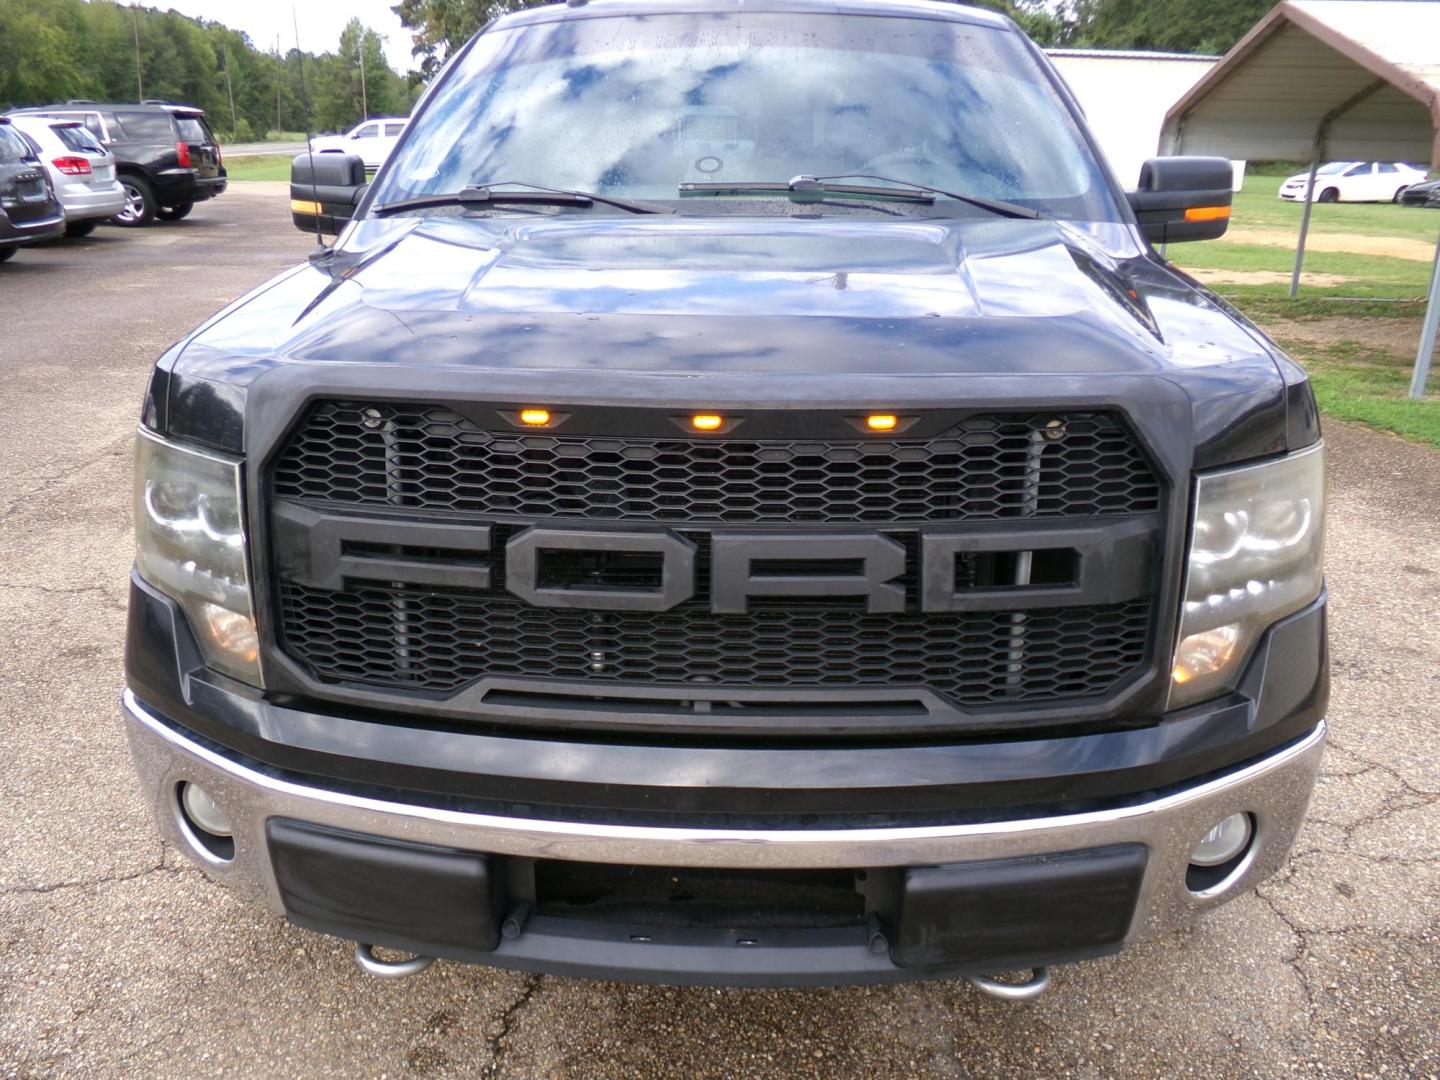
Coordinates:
741	502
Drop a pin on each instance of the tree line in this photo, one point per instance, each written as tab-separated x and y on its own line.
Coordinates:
55	50
1192	26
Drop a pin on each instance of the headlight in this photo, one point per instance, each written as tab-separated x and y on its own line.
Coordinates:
1255	557
190	544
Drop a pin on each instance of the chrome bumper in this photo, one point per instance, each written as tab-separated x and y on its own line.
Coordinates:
1276	790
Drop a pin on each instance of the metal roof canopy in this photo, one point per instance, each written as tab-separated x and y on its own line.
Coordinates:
1329	80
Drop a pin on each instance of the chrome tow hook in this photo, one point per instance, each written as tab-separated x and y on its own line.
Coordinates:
1029	990
389	969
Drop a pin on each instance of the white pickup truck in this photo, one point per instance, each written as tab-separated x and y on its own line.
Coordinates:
372	140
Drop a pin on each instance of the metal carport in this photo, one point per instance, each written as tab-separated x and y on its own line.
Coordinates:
1326	79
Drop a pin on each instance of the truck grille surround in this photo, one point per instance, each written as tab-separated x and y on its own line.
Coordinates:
435	464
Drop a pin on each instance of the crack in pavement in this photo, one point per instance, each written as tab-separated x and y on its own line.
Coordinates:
1388	770
507	1022
109	879
107	450
1302	949
55	590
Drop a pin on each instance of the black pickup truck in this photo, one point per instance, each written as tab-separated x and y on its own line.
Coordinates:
741	502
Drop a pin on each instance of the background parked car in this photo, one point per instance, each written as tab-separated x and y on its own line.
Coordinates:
1426	194
372	141
1354	181
82	171
29	210
166	156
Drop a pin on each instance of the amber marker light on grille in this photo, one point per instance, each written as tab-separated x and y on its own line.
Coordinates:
535	417
706	422
881	421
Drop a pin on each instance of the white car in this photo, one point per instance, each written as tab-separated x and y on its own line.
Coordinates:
1354	181
373	140
82	171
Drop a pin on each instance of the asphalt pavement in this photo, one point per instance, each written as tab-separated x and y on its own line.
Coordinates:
119	959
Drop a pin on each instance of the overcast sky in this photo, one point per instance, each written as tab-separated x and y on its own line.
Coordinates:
320	22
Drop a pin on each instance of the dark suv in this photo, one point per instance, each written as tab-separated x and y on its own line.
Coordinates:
29	210
743	501
166	156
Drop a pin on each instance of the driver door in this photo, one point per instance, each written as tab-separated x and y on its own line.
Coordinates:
364	141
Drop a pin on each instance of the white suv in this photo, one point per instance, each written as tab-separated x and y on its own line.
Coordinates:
373	140
82	171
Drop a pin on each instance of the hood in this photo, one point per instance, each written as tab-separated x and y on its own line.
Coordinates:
729	299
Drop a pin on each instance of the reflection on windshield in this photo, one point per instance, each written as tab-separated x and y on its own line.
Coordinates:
637	106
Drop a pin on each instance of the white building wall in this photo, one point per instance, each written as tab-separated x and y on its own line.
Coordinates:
1125	96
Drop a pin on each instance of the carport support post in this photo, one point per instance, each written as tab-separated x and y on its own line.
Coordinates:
1305	221
1428	332
1321	131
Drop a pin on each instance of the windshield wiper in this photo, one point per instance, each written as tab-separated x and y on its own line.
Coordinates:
813	188
532	194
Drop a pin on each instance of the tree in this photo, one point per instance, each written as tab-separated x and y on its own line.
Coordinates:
36	60
439	27
52	50
1204	26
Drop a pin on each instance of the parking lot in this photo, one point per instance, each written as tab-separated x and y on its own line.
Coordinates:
117	958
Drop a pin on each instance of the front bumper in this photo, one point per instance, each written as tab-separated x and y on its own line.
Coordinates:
1274	789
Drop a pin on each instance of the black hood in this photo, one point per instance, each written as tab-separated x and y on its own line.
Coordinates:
710	303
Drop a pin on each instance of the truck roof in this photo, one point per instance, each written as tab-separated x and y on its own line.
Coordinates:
905	9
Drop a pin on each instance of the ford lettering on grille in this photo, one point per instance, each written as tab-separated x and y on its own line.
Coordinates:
1098	564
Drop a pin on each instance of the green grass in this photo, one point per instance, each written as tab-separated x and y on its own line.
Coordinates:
264	167
1258	207
1366	275
1370	385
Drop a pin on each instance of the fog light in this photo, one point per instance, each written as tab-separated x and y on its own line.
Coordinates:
1224	842
200	808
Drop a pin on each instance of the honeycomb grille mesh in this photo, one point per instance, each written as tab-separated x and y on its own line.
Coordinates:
435	641
987	467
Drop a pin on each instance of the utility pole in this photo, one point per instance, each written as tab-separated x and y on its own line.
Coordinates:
364	99
139	78
230	90
279	68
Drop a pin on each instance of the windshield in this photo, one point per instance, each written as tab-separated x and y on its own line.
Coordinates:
1334	167
634	107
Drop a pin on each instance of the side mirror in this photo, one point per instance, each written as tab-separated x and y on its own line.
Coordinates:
327	188
1184	198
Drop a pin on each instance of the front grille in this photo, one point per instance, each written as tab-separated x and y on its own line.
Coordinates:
410	638
986	467
435	463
